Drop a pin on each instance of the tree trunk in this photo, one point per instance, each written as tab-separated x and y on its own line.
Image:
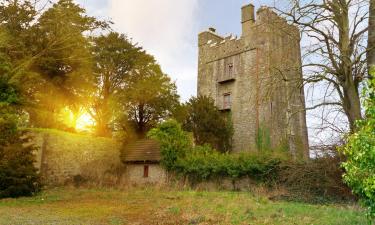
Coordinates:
102	129
371	36
104	114
351	102
141	123
352	106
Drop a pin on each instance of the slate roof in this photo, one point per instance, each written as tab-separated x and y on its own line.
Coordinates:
144	150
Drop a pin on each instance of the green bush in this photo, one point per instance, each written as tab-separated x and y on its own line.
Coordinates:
203	163
313	181
174	142
360	153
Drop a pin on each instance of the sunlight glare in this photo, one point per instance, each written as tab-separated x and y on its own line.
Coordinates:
85	122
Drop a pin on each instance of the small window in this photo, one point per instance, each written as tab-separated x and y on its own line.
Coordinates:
227	101
230	69
145	171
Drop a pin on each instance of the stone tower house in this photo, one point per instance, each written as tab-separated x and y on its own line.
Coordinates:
257	80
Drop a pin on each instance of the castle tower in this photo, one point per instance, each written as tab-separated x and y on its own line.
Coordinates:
257	80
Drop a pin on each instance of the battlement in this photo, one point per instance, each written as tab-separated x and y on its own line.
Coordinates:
265	17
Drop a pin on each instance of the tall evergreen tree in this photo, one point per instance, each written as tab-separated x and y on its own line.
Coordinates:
18	175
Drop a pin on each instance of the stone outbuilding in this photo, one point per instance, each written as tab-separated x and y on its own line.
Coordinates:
142	159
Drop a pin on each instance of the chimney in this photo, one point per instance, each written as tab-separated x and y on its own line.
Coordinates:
248	18
213	30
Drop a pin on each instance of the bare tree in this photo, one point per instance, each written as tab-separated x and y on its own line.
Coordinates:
371	35
334	57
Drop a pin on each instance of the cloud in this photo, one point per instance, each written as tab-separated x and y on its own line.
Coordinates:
168	30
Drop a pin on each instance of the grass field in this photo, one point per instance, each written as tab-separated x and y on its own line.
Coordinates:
150	206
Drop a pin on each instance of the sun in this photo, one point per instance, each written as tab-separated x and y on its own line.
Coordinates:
81	122
85	122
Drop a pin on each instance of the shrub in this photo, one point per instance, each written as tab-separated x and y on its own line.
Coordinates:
312	181
316	180
360	153
174	142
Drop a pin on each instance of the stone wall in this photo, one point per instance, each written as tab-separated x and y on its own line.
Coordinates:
62	156
65	158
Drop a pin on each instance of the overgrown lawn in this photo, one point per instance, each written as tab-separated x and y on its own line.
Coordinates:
151	206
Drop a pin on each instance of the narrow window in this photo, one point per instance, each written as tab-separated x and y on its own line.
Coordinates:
230	70
145	171
227	101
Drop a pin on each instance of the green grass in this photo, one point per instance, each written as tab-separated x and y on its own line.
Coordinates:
150	206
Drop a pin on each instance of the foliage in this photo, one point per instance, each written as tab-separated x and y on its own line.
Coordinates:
16	19
9	94
360	153
311	181
115	57
209	126
203	163
62	67
64	62
49	55
150	95
132	93
9	99
174	142
18	176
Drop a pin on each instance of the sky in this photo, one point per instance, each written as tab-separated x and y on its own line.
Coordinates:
168	29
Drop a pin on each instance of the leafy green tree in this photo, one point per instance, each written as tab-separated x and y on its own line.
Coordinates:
208	124
360	153
9	98
17	43
16	20
114	57
65	62
149	97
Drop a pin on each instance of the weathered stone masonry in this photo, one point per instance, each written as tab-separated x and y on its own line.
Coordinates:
257	78
62	157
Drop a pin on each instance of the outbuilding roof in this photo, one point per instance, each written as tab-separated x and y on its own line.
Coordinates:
145	150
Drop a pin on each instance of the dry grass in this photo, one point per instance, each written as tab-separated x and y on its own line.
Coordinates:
151	206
